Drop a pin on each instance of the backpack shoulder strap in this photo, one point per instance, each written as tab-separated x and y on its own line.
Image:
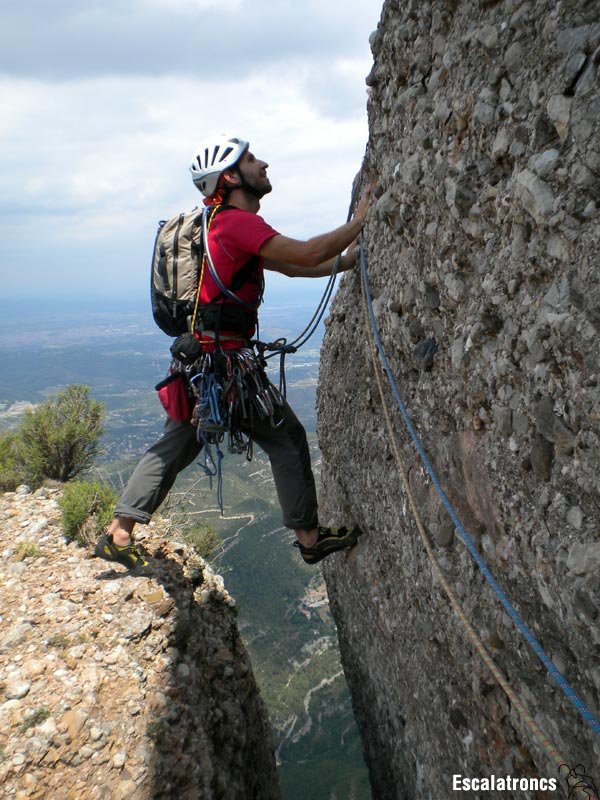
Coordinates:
226	292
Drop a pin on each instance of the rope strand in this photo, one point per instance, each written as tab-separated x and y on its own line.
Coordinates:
382	365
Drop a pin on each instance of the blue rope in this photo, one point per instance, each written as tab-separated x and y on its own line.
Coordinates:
566	688
306	334
210	467
209	391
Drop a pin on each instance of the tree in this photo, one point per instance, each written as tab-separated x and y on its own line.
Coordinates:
60	438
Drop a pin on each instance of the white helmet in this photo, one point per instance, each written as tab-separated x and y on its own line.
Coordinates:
214	157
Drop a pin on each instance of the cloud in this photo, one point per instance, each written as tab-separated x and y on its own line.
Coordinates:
155	37
91	160
106	141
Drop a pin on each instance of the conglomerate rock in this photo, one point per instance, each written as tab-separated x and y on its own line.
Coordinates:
114	686
483	258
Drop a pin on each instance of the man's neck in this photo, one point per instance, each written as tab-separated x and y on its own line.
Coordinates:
244	201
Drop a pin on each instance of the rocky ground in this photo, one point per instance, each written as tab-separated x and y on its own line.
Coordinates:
114	686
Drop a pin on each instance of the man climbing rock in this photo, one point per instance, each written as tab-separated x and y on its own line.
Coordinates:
240	245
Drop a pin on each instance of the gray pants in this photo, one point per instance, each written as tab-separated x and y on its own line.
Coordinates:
177	448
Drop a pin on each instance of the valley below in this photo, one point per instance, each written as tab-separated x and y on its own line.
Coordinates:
283	612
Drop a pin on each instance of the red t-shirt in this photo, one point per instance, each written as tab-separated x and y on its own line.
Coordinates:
234	237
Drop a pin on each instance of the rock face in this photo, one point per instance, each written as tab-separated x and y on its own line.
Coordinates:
113	686
483	254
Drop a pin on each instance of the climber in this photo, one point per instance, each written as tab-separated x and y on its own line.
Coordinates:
228	175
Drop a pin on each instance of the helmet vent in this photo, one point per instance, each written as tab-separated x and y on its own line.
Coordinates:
226	153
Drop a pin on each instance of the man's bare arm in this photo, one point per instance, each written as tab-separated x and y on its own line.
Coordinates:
316	253
320	271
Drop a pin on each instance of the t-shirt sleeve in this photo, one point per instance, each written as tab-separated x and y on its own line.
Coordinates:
249	232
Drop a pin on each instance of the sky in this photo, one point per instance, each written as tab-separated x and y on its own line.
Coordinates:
102	104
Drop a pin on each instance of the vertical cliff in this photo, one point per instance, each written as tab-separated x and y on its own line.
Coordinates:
482	252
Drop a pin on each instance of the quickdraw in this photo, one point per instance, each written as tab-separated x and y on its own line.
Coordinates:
230	389
279	347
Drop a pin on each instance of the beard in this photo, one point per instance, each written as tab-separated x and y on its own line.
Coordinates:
258	187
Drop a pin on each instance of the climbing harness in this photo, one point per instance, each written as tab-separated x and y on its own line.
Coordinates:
230	389
573	777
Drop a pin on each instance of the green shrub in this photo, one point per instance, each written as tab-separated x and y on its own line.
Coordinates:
87	508
25	550
203	538
57	440
12	465
60	438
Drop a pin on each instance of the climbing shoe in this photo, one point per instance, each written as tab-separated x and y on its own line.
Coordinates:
329	540
129	555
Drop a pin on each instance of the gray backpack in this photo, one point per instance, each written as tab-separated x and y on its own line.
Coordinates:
176	270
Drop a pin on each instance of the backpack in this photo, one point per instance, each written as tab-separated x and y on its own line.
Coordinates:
175	271
176	262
